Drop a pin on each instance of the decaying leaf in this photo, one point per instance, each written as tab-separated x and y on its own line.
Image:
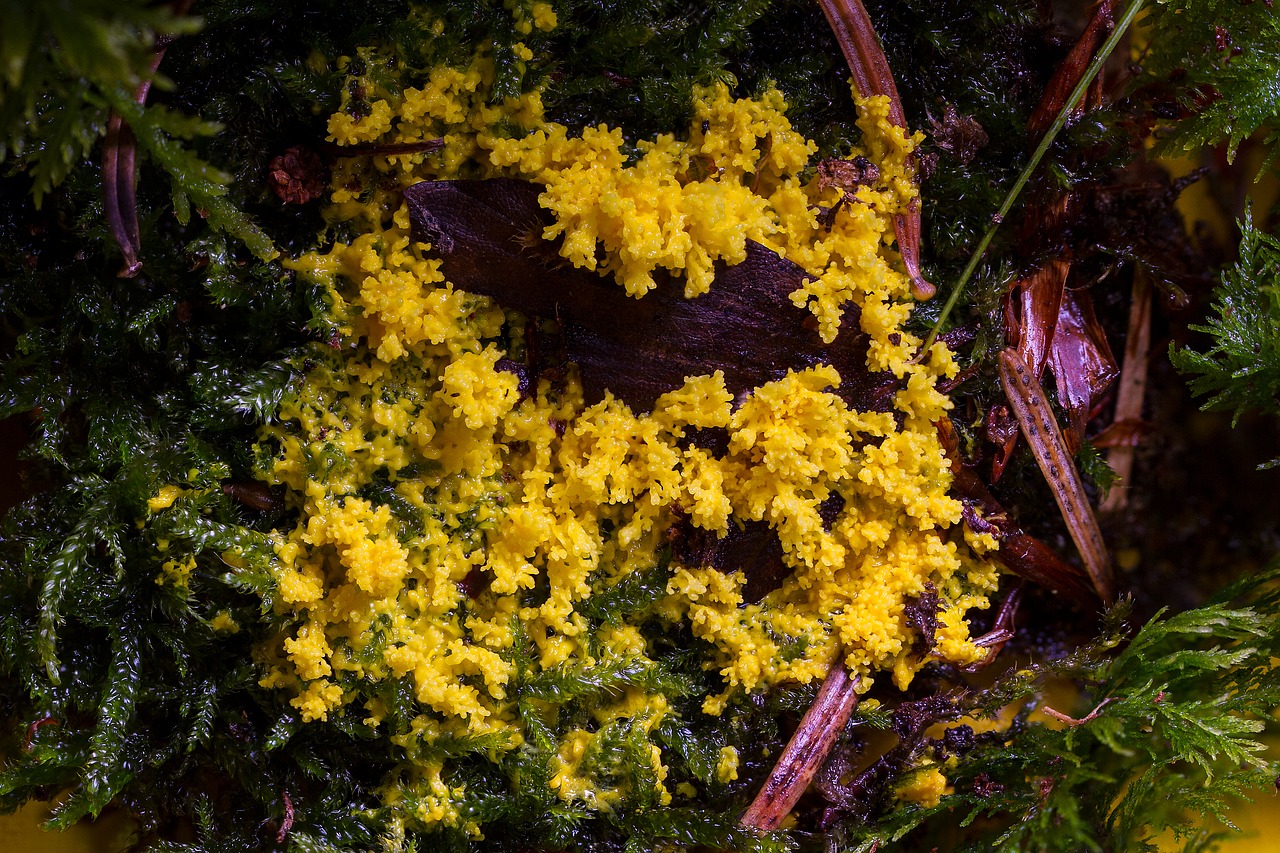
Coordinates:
1081	360
961	136
488	237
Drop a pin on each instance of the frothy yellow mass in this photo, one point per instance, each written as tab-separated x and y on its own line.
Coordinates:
459	540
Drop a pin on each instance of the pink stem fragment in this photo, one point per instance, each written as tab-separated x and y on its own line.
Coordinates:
806	751
872	77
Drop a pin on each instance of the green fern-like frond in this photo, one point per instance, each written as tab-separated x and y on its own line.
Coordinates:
1240	369
1222	59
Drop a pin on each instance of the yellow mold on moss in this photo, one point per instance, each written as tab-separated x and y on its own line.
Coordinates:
433	499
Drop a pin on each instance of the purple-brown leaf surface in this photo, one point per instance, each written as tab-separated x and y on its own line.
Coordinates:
488	235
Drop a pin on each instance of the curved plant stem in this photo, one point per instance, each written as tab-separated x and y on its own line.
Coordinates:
806	751
872	77
1050	135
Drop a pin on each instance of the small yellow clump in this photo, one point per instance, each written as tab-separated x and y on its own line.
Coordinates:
177	573
224	623
925	787
163	498
528	15
453	535
657	213
727	764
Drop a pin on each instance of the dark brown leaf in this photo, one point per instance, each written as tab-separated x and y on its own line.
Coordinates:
921	614
752	548
254	495
1126	433
488	236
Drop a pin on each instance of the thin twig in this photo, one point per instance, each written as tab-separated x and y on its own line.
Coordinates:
385	149
805	752
1072	721
872	77
1002	630
1054	129
1040	428
1133	387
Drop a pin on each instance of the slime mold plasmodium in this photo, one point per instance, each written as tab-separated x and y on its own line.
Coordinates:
456	538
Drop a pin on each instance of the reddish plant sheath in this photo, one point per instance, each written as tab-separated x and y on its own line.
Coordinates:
119	170
1002	631
1081	361
1068	74
120	199
1132	391
805	752
872	77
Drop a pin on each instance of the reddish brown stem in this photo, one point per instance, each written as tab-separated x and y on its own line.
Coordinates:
119	196
119	170
35	727
286	823
1072	721
862	51
1068	74
1002	630
1020	553
1132	391
872	77
805	752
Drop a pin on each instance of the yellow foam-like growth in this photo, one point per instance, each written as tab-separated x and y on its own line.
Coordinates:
435	503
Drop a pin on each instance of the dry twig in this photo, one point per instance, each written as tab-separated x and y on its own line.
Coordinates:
805	752
1132	391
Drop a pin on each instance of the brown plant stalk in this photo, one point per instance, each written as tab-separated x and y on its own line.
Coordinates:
805	752
1132	390
1042	433
872	77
